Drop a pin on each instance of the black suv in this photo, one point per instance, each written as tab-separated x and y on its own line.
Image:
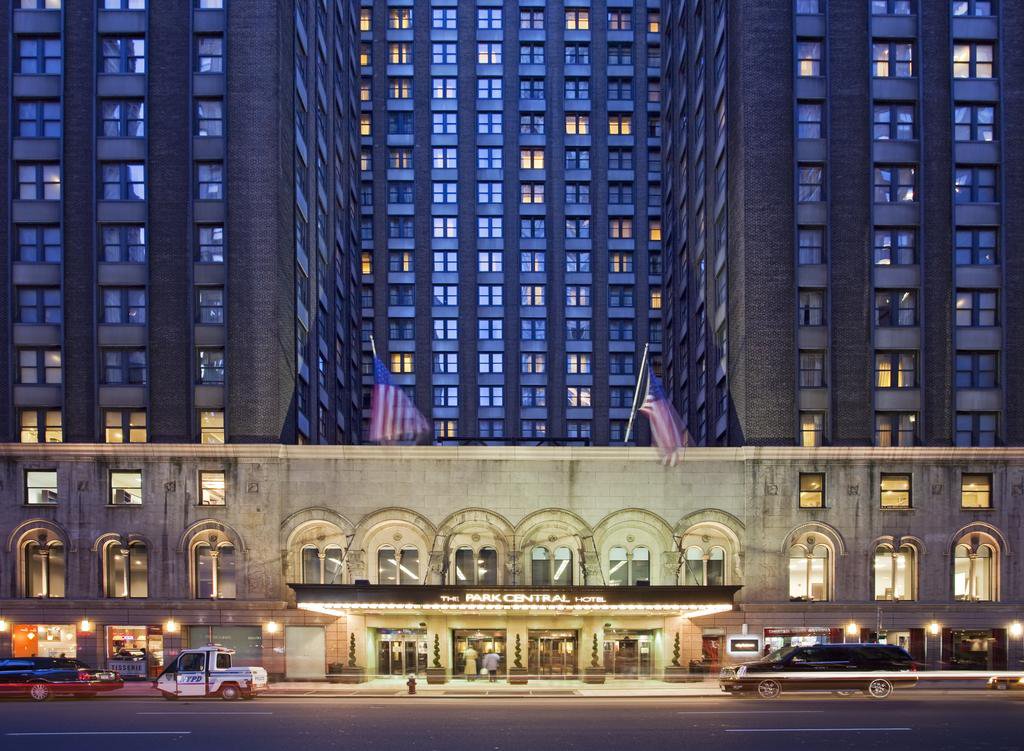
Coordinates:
42	677
874	668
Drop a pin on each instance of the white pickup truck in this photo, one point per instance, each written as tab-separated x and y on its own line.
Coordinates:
208	671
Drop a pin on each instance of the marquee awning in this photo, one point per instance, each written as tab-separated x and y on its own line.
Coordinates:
340	599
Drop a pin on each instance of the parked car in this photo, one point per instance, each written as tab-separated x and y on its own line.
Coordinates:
874	668
41	678
210	671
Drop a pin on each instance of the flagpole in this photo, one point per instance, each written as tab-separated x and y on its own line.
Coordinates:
373	347
636	394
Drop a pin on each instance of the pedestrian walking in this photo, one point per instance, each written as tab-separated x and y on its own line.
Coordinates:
490	663
470	657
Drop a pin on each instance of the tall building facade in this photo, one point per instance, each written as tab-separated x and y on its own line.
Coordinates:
182	214
511	210
840	231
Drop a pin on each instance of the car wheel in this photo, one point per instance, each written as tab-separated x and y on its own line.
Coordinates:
769	689
879	688
230	692
40	692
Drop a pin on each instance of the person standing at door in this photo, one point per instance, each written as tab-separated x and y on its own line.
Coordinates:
470	657
490	663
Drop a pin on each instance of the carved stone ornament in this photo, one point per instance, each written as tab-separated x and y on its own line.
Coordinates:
771	488
936	488
853	490
83	486
252	487
1018	489
170	486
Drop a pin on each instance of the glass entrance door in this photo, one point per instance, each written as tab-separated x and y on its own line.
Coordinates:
553	654
628	654
401	651
478	643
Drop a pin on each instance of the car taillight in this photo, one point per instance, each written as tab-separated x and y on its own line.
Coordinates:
913	667
83	675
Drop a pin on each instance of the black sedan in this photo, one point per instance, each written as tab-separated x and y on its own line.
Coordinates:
41	678
874	668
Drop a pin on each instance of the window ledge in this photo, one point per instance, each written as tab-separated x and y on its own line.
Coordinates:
41	505
970	509
124	505
890	509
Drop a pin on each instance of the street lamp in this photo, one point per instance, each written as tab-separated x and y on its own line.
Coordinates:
852	629
934	628
273	627
171	626
4	625
1016	629
85	626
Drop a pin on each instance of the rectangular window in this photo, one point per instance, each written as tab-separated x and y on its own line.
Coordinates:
123	305
123	181
896	370
37	243
896	307
895	247
891	59
976	308
122	54
895	429
894	122
40	487
38	181
974	122
975	491
809	120
209	53
975	185
811	307
40	426
38	119
125	487
124	366
976	428
39	366
210	243
811	245
895	183
973	59
812	490
895	491
38	55
977	370
209	181
812	428
211	366
211	426
810	182
809	57
211	488
812	369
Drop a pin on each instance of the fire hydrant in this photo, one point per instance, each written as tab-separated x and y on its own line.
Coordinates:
411	683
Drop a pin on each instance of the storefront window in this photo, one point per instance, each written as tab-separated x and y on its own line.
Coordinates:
809	573
135	650
398	567
247	641
894	573
973	573
126	569
44	641
44	569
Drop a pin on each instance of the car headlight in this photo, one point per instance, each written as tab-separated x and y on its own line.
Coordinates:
741	671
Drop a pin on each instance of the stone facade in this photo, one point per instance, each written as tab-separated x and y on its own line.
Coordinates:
279	500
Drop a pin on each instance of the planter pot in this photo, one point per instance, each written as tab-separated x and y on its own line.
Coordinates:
334	678
352	675
678	674
437	676
593	675
518	676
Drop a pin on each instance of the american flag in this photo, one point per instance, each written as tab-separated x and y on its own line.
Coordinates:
666	426
393	416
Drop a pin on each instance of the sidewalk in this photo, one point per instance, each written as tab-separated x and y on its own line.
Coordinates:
396	687
385	687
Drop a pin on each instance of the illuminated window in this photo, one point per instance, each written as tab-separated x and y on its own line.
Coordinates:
211	488
812	490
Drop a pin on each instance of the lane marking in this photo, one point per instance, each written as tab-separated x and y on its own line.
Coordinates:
112	732
206	714
815	730
760	711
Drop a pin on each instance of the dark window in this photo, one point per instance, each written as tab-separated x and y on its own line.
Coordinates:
122	118
123	243
122	55
977	370
38	119
896	307
38	244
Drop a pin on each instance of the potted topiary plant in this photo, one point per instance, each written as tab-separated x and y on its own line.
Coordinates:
595	673
435	673
676	673
352	673
517	674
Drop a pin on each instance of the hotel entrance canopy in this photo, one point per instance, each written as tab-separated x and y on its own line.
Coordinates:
341	599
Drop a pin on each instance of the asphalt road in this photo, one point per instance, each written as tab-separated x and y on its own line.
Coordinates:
963	721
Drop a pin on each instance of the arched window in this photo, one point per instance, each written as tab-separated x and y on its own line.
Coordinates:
480	567
310	565
974	572
487	566
562	575
628	567
126	569
715	564
540	566
809	573
398	567
693	561
895	573
618	566
215	571
332	564
44	568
